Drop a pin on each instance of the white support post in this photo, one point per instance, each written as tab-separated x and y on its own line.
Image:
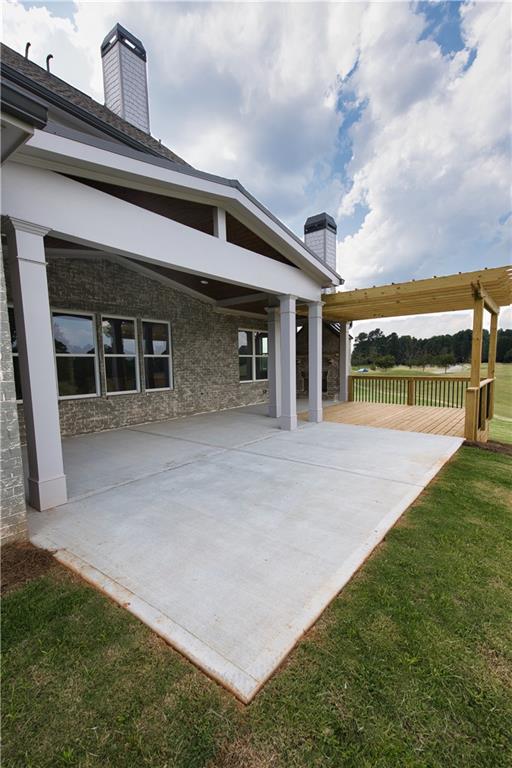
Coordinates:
219	223
344	360
47	482
315	361
288	418
274	363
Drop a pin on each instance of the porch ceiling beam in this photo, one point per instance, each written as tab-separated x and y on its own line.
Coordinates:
245	299
84	215
69	156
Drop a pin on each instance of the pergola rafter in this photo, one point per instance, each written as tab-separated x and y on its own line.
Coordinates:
487	289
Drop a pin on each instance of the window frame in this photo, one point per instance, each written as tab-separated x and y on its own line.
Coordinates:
10	305
108	354
92	315
253	356
169	356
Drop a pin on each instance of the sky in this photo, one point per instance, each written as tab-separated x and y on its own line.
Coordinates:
393	117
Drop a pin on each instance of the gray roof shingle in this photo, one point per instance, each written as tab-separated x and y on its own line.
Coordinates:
58	92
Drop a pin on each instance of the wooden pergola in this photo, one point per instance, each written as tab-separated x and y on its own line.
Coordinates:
487	289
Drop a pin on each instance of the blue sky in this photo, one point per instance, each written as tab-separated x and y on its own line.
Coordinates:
393	117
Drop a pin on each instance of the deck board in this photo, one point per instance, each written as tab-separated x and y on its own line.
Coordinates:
407	418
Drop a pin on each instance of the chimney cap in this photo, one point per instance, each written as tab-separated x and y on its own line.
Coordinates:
320	221
119	34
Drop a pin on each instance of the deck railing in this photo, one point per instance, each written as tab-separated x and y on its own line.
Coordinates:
438	391
479	410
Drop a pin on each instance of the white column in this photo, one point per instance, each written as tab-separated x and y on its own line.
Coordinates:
219	223
47	482
288	418
344	360
274	363
315	361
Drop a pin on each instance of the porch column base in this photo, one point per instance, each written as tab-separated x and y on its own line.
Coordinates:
45	494
315	416
288	422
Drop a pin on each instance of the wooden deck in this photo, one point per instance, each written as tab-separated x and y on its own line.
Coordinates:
408	418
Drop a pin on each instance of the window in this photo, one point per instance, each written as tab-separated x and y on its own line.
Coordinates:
15	354
156	348
253	355
120	350
75	354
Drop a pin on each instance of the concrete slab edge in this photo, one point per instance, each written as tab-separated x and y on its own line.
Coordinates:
262	668
241	684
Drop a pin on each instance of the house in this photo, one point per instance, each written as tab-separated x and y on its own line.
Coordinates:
137	288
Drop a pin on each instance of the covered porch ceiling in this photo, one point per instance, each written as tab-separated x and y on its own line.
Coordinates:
415	297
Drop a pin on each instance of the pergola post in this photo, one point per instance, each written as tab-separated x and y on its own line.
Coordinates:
473	392
491	359
476	343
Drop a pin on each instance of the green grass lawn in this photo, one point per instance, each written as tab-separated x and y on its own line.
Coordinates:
410	666
501	425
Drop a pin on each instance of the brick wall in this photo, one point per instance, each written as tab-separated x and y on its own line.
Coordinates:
12	494
205	346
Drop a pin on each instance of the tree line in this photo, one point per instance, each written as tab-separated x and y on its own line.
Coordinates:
377	349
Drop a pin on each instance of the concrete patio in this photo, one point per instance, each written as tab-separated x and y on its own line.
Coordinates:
228	536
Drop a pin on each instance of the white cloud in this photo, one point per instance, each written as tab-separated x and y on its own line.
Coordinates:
249	90
431	152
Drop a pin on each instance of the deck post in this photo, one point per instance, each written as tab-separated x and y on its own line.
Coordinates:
491	360
315	412
46	481
344	369
288	319
274	363
476	342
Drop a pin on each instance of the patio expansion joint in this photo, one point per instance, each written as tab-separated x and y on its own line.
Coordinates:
360	473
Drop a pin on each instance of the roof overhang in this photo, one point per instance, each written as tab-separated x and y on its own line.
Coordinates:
19	116
102	161
436	294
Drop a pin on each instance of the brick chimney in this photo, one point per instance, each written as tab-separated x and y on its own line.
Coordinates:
320	237
125	78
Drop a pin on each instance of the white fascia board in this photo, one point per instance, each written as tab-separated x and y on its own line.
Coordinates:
82	214
67	156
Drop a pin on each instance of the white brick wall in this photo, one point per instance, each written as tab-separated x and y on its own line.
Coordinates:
125	84
323	243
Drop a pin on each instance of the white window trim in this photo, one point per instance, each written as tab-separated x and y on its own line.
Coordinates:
253	356
107	354
14	354
92	315
169	356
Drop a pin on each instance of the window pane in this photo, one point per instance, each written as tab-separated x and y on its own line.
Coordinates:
12	328
262	367
245	368
17	377
157	372
118	336
76	376
155	338
121	375
73	334
261	340
244	343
